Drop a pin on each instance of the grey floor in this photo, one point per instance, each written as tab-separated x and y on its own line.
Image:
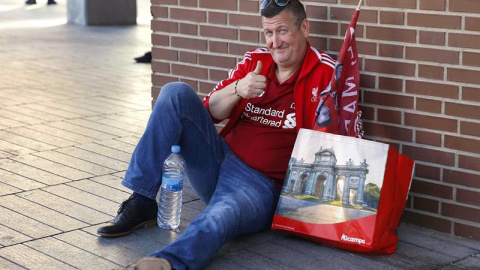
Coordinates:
73	106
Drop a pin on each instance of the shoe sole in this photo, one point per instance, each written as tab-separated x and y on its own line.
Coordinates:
143	224
151	264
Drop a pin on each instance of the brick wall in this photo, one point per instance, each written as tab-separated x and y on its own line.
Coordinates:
420	82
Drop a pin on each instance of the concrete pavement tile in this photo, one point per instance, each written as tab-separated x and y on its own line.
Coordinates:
4	264
141	97
233	246
189	195
108	250
111	181
41	137
70	108
95	158
32	95
264	236
106	151
66	207
130	140
40	213
32	259
456	250
132	79
137	129
112	108
10	237
470	262
9	123
7	189
7	100
188	213
84	198
127	119
20	117
219	263
14	149
3	127
118	102
25	141
101	190
450	267
119	145
89	107
30	175
399	261
71	255
82	130
77	163
61	114
197	205
284	256
44	116
408	231
252	260
25	225
140	116
119	174
159	236
52	167
64	134
4	155
248	240
101	127
343	259
414	257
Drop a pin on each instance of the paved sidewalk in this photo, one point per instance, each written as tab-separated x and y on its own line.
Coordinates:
73	106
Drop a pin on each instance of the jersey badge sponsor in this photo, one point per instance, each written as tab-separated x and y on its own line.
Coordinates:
314	94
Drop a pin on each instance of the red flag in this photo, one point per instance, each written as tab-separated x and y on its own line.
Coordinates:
338	111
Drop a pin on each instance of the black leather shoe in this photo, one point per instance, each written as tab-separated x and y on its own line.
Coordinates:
146	58
51	2
134	213
31	2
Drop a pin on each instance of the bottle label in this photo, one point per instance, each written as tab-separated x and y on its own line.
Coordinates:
172	184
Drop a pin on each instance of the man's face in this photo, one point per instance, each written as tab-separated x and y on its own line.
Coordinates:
287	43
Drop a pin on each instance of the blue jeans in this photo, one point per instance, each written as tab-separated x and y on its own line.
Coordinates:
239	199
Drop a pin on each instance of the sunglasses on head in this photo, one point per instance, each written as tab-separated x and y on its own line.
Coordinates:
280	3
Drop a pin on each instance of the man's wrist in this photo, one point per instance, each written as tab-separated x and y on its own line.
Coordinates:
235	89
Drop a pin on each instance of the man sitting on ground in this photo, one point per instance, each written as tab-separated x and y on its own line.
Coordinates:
238	173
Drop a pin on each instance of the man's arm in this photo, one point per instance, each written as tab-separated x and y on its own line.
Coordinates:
222	102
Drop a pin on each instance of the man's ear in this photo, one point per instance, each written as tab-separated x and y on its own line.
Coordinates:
305	28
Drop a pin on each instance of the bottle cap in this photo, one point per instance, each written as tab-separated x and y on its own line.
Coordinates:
175	149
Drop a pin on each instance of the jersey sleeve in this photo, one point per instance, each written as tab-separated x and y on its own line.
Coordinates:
240	71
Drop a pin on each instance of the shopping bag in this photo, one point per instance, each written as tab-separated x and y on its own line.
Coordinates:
344	192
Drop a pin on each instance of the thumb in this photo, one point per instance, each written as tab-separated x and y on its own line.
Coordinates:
258	68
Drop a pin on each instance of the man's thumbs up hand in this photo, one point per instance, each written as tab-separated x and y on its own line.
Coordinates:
253	85
258	68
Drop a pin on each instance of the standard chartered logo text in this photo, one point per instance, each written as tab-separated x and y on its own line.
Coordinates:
270	117
291	121
352	239
267	112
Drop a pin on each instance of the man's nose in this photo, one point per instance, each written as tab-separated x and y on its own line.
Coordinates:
276	41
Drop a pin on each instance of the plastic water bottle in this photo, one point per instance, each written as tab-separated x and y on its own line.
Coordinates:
170	203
